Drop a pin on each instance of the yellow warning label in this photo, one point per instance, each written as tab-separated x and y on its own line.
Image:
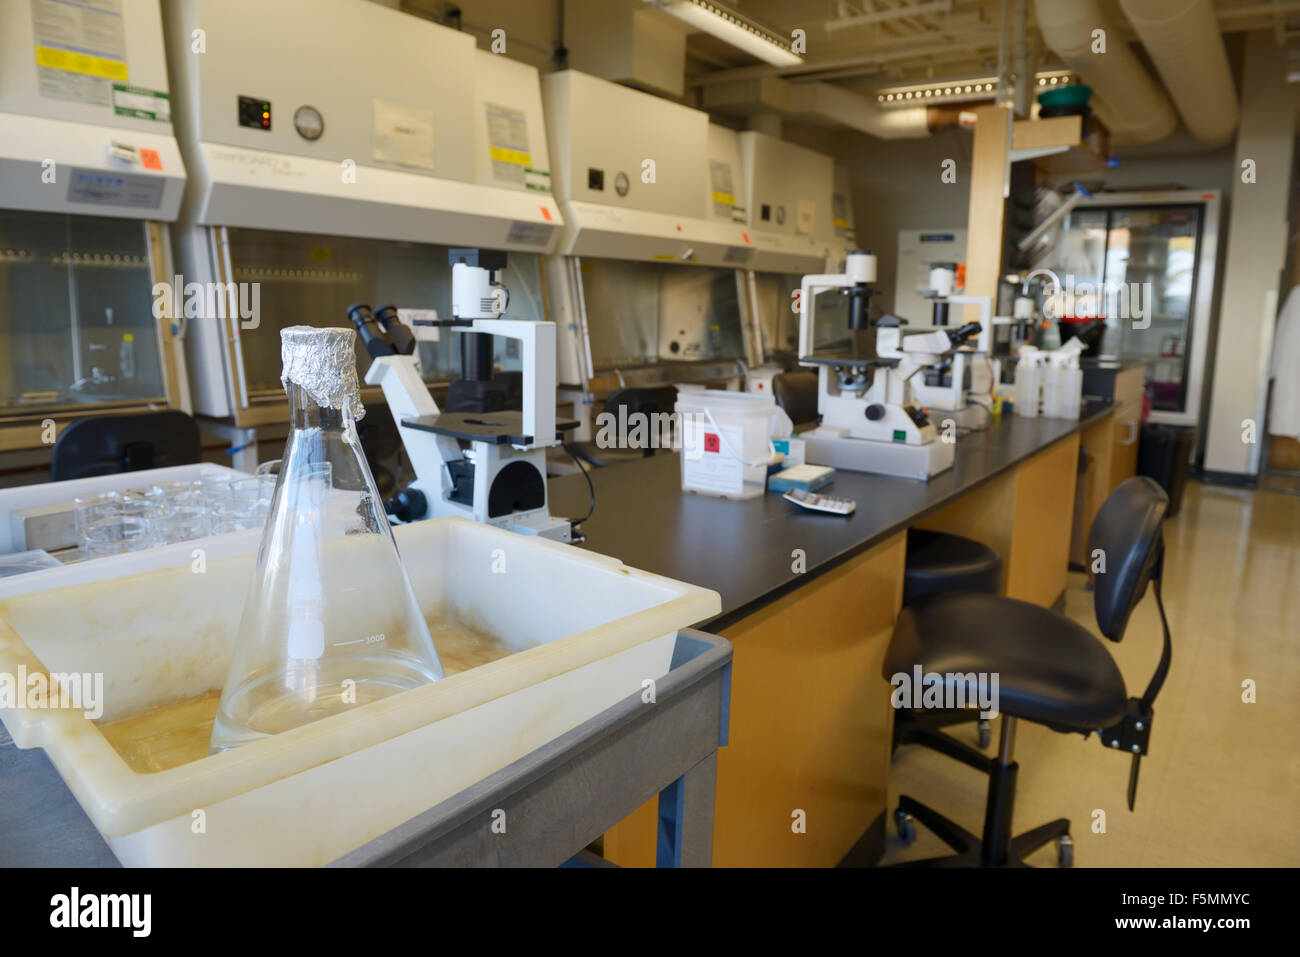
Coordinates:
726	199
57	59
515	157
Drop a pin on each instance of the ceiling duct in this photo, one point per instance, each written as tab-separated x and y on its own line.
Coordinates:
1128	100
823	102
1183	40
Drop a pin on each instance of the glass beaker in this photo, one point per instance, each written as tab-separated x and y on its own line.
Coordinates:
330	622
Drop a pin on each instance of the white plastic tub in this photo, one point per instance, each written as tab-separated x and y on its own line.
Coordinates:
593	631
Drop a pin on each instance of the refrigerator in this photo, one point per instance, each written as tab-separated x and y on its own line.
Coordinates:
1146	263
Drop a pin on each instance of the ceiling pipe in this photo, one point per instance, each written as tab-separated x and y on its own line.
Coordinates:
1128	100
1182	37
824	102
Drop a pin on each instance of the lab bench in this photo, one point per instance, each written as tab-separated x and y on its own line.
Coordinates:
541	810
809	602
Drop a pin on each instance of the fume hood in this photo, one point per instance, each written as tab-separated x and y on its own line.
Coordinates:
90	174
336	158
801	222
647	286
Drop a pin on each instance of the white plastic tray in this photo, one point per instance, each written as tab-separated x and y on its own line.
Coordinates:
594	631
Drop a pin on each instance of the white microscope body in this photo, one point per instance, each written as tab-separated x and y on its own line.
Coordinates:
485	466
871	420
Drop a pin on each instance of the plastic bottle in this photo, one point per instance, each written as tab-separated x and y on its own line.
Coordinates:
1028	380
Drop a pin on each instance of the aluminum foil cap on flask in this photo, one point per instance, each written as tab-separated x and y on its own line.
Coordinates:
323	363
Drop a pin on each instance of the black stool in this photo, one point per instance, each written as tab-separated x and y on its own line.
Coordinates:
109	444
1050	670
939	562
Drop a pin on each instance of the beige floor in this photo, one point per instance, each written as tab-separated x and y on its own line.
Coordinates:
1222	783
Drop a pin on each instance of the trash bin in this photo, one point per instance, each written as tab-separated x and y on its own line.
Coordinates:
1164	453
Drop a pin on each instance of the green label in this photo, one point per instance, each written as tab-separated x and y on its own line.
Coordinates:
141	103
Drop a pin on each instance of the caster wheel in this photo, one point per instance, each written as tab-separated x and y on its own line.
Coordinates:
985	733
905	827
1064	851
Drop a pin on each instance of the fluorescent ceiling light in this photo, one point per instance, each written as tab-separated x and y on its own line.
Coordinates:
960	91
732	27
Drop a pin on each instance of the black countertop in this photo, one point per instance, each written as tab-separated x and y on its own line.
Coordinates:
743	550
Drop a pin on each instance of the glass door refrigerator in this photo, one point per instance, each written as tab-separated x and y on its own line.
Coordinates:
1146	263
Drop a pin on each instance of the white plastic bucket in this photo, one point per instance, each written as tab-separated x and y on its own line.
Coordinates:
726	441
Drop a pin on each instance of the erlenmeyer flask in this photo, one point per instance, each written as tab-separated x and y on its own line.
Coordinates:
330	621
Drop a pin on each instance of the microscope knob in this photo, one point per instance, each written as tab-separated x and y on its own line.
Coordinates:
875	412
409	505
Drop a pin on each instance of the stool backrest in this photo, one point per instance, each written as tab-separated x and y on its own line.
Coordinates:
108	444
796	393
1124	549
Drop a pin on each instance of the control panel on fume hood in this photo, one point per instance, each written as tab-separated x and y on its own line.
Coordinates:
788	187
255	112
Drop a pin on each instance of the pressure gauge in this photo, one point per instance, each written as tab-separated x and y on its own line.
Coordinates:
309	123
621	184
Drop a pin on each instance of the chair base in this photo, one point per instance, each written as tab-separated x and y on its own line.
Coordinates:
997	847
969	848
922	727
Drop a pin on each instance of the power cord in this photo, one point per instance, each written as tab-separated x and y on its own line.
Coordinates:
578	536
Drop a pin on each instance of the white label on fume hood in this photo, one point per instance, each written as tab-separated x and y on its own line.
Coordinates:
805	212
531	234
403	135
115	189
724	198
80	49
508	143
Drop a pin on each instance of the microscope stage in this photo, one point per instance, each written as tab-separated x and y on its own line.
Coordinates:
494	428
852	362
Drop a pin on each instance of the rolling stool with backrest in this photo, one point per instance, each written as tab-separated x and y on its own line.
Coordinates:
940	562
624	405
109	444
796	393
1051	671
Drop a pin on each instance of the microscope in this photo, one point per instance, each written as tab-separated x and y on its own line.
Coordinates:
871	417
488	465
948	370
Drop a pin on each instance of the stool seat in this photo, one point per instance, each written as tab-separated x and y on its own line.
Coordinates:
938	562
1050	669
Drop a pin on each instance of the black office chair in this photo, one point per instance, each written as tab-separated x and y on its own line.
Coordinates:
796	393
635	401
108	444
1051	671
940	562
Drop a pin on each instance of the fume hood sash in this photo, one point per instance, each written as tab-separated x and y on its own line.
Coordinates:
236	186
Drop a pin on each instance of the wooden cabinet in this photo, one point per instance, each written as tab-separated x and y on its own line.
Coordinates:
1112	448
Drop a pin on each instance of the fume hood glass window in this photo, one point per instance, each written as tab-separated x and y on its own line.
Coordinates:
779	319
76	312
642	314
312	280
